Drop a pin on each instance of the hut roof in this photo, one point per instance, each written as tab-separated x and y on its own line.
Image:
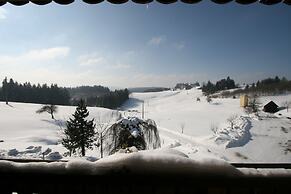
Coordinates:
271	107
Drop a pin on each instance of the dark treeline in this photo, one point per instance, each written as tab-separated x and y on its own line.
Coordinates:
186	86
98	96
13	91
224	84
269	86
84	92
112	100
158	89
31	93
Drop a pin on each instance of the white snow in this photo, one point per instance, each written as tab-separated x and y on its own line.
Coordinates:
184	125
26	134
160	161
237	136
250	140
144	162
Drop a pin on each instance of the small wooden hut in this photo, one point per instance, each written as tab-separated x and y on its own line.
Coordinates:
244	101
271	107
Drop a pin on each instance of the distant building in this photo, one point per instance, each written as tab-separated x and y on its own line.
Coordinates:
183	86
244	101
271	107
186	86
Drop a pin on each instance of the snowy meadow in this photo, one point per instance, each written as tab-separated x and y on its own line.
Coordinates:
197	129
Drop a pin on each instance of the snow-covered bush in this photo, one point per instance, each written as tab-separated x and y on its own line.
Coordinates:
13	152
54	156
132	131
208	99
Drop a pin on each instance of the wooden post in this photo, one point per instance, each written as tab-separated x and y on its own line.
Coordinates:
142	112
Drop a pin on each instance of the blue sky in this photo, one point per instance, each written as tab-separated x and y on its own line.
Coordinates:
132	45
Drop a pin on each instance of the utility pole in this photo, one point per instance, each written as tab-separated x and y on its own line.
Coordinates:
142	111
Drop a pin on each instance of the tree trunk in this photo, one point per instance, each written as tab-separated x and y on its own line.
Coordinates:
52	113
83	150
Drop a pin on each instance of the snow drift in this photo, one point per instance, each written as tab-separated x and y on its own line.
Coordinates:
163	161
236	136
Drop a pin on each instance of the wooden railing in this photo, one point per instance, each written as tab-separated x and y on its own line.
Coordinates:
23	182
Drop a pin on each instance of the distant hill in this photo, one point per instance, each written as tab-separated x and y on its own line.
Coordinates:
147	89
77	93
98	96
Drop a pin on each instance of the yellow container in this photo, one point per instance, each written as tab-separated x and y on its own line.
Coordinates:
244	101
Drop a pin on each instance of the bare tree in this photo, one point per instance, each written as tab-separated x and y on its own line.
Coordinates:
286	104
51	109
231	120
214	128
102	125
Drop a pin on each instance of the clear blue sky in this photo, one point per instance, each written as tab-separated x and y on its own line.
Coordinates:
144	45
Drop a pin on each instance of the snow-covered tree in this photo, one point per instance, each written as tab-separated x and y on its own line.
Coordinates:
79	133
142	134
51	109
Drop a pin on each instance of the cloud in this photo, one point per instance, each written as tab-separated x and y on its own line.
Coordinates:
179	46
3	13
47	54
35	55
156	41
107	62
121	66
91	60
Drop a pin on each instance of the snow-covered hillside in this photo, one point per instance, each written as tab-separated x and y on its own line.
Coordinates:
206	131
27	134
197	128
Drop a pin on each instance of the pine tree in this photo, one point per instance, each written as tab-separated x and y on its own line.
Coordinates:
5	90
80	133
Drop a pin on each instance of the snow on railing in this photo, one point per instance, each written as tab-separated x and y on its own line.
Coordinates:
159	171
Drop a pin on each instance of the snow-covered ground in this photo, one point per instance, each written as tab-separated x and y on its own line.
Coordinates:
196	128
206	131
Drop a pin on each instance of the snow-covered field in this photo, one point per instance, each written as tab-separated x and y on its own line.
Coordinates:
206	131
197	129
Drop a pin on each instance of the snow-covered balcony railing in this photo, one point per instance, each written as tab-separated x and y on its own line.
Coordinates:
162	171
